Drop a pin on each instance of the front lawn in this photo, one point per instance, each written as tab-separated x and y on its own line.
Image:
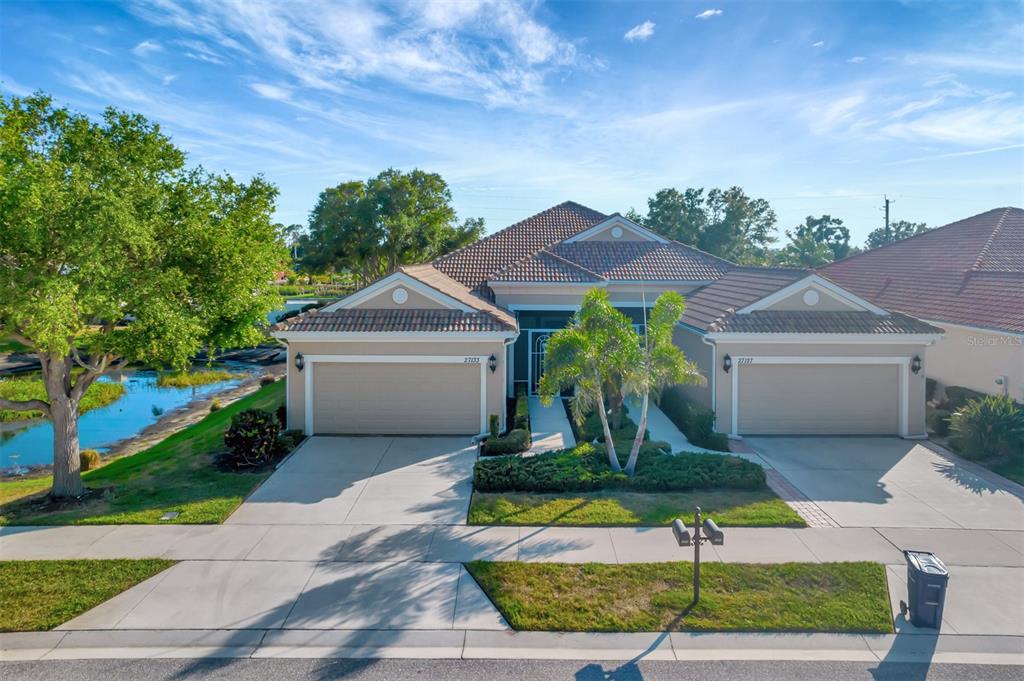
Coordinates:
729	508
178	474
97	395
39	595
826	597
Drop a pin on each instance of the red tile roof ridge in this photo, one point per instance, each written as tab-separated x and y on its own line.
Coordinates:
581	268
976	267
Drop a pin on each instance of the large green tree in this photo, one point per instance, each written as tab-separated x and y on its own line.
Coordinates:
395	218
816	242
599	342
725	222
897	231
112	249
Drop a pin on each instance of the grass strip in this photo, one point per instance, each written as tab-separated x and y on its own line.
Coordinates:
191	379
38	595
97	395
729	508
787	597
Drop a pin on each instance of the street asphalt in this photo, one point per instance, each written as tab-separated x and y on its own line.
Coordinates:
492	670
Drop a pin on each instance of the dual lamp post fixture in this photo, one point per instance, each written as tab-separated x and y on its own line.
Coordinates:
711	534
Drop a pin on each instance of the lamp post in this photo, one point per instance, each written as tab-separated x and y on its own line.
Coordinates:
711	534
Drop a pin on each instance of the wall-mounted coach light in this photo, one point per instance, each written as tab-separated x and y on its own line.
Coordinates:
492	363
300	361
915	364
726	363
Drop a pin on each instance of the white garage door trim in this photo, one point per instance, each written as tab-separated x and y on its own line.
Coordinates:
904	380
313	360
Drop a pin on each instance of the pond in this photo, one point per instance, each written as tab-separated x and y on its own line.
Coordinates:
141	405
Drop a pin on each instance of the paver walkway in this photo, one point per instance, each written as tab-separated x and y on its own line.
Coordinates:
550	426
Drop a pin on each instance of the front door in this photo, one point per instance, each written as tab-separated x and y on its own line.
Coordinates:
538	348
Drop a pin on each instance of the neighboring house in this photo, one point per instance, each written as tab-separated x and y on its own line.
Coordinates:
435	348
967	277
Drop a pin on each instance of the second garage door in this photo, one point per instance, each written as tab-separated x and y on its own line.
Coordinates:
396	399
818	399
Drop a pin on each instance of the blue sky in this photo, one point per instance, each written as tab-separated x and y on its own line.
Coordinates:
819	107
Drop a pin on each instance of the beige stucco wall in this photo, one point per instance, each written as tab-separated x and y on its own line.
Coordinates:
915	384
606	235
383	301
701	354
296	385
974	358
573	295
826	302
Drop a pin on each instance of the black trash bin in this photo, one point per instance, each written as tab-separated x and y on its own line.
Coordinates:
927	579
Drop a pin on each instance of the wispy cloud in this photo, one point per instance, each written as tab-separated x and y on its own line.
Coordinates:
275	92
640	32
820	43
856	60
985	63
709	14
147	47
169	78
991	123
958	154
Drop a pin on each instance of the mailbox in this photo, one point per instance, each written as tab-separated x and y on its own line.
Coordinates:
711	531
681	533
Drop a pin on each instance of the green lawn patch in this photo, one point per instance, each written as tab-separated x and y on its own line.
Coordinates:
98	395
191	379
177	474
39	595
729	508
798	597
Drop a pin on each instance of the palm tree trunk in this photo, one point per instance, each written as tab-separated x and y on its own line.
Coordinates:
609	444
638	441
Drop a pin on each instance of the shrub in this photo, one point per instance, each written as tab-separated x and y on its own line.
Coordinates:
938	421
522	415
88	459
493	426
215	405
694	421
990	427
929	389
267	380
958	396
517	440
251	437
288	440
282	416
585	468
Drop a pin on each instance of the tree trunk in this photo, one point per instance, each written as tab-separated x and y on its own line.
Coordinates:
609	444
67	474
615	402
634	453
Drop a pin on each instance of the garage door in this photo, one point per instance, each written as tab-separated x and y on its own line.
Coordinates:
396	399
818	399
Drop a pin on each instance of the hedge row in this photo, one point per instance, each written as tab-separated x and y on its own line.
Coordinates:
585	468
695	422
516	440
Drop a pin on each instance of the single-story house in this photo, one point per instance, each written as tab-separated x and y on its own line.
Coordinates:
435	348
968	278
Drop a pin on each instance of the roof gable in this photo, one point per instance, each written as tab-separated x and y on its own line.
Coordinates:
821	288
617	228
367	297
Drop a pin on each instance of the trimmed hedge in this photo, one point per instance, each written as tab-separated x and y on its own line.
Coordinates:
695	422
516	440
585	468
989	428
958	397
938	421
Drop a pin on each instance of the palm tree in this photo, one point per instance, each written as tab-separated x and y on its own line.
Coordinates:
598	342
661	363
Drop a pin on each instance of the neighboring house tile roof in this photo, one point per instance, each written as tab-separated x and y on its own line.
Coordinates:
377	320
643	260
737	289
969	272
473	265
807	321
439	281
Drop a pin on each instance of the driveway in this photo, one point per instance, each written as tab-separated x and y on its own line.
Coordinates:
888	482
367	481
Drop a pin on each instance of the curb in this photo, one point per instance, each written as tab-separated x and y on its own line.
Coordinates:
475	644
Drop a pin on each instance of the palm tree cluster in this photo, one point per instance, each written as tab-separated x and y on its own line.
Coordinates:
603	360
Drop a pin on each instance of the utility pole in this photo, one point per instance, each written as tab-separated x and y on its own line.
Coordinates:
888	234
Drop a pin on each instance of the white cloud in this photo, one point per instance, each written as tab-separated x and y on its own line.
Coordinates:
147	47
709	14
820	43
169	78
275	92
969	62
981	124
640	32
835	114
856	60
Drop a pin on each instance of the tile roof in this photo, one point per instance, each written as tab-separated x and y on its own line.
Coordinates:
807	321
737	289
643	260
472	265
401	320
968	272
546	267
439	281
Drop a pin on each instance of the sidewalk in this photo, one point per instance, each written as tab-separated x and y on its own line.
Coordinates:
476	644
550	426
